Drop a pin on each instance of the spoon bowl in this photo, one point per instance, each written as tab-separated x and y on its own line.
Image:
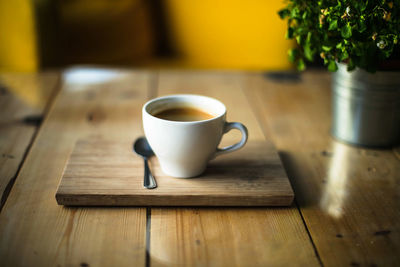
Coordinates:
142	148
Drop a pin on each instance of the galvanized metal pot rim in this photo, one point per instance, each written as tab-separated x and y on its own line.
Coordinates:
372	80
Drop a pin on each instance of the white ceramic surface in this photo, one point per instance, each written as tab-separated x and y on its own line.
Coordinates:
184	148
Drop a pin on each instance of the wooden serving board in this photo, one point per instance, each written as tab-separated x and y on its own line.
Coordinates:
108	173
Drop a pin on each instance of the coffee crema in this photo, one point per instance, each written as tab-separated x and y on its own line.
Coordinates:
183	114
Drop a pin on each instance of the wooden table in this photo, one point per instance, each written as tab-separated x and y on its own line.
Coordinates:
346	211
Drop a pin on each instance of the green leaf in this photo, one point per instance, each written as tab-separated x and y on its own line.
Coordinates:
326	48
363	5
295	12
350	65
289	33
362	26
308	52
309	35
332	65
346	31
284	13
293	54
333	25
299	39
344	55
301	65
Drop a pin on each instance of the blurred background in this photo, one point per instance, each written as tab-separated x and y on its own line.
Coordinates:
195	34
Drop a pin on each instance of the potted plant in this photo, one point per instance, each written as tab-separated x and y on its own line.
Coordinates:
359	41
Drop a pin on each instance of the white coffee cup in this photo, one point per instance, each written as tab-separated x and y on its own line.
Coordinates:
184	148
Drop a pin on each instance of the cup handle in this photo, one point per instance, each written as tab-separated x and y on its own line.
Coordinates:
227	127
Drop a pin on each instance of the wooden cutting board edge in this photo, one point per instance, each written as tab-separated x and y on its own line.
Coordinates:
187	200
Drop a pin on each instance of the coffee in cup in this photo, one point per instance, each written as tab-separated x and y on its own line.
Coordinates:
183	114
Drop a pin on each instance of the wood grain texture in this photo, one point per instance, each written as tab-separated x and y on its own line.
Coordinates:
226	237
23	100
229	237
34	230
107	173
349	196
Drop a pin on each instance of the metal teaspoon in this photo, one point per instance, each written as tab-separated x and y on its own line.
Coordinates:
143	149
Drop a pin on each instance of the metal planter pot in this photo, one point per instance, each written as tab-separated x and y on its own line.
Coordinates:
366	107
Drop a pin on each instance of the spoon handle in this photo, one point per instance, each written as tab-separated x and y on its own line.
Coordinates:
149	181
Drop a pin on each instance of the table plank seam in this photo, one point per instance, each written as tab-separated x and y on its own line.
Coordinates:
266	131
309	234
148	236
152	93
11	182
49	104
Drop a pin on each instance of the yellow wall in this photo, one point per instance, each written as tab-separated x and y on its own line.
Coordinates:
17	36
230	33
